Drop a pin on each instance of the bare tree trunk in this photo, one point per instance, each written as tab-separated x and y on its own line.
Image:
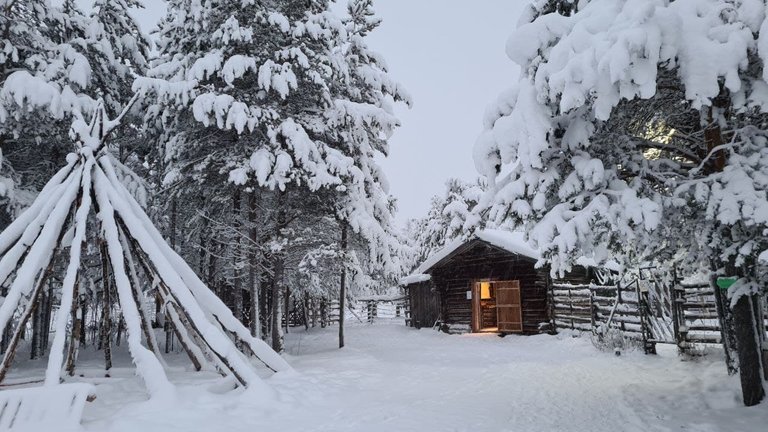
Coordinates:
343	283
172	227
305	310
48	314
212	270
106	318
266	317
158	322
287	307
74	333
168	335
254	269
37	319
746	329
120	328
277	327
750	350
236	255
323	312
313	308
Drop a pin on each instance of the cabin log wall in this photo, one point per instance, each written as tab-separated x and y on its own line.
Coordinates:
479	261
425	304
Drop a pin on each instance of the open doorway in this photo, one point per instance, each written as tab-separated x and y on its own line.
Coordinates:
496	307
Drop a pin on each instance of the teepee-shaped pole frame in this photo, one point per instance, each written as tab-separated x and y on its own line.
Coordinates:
89	182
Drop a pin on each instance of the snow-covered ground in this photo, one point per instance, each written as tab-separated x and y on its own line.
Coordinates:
393	378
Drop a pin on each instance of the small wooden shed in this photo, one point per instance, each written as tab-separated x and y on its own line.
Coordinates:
486	283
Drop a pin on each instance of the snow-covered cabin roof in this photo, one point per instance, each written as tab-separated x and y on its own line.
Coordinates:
510	241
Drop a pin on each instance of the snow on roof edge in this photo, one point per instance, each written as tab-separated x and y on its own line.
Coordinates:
510	241
415	278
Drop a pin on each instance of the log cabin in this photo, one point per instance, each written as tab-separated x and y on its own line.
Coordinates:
488	282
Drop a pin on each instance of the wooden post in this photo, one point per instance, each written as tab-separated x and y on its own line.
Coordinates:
592	311
642	307
570	305
551	294
725	319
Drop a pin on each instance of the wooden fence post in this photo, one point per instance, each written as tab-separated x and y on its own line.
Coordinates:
570	306
592	310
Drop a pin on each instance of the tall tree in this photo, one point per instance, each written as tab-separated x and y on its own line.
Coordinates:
449	217
278	99
627	136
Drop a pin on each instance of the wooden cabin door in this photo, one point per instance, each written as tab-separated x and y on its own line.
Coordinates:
509	311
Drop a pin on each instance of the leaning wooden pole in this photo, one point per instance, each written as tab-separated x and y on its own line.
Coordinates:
146	326
69	285
148	365
203	300
187	335
44	242
10	353
40	254
180	314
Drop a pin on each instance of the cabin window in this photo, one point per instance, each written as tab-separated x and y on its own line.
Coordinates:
486	292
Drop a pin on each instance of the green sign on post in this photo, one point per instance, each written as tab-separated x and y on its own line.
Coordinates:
725	282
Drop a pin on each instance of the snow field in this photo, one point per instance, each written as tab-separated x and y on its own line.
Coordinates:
393	378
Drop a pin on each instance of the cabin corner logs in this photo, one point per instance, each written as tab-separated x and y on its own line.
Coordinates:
644	309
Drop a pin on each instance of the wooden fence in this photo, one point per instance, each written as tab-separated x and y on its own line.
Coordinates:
588	307
360	310
648	311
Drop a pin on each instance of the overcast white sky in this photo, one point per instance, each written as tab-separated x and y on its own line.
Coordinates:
449	54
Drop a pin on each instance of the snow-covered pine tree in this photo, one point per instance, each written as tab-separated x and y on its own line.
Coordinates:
628	118
358	122
248	100
449	217
56	62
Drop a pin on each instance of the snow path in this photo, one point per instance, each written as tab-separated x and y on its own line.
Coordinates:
392	378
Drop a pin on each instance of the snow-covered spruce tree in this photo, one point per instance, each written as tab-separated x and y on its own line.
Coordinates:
358	122
446	218
55	61
634	133
258	99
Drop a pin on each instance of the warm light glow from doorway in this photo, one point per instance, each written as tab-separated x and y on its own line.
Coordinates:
485	290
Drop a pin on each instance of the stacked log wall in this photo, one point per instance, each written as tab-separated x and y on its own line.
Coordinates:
424	303
478	261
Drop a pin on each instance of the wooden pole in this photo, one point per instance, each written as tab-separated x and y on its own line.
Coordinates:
10	353
106	311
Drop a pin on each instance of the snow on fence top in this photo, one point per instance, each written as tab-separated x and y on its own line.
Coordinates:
510	241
